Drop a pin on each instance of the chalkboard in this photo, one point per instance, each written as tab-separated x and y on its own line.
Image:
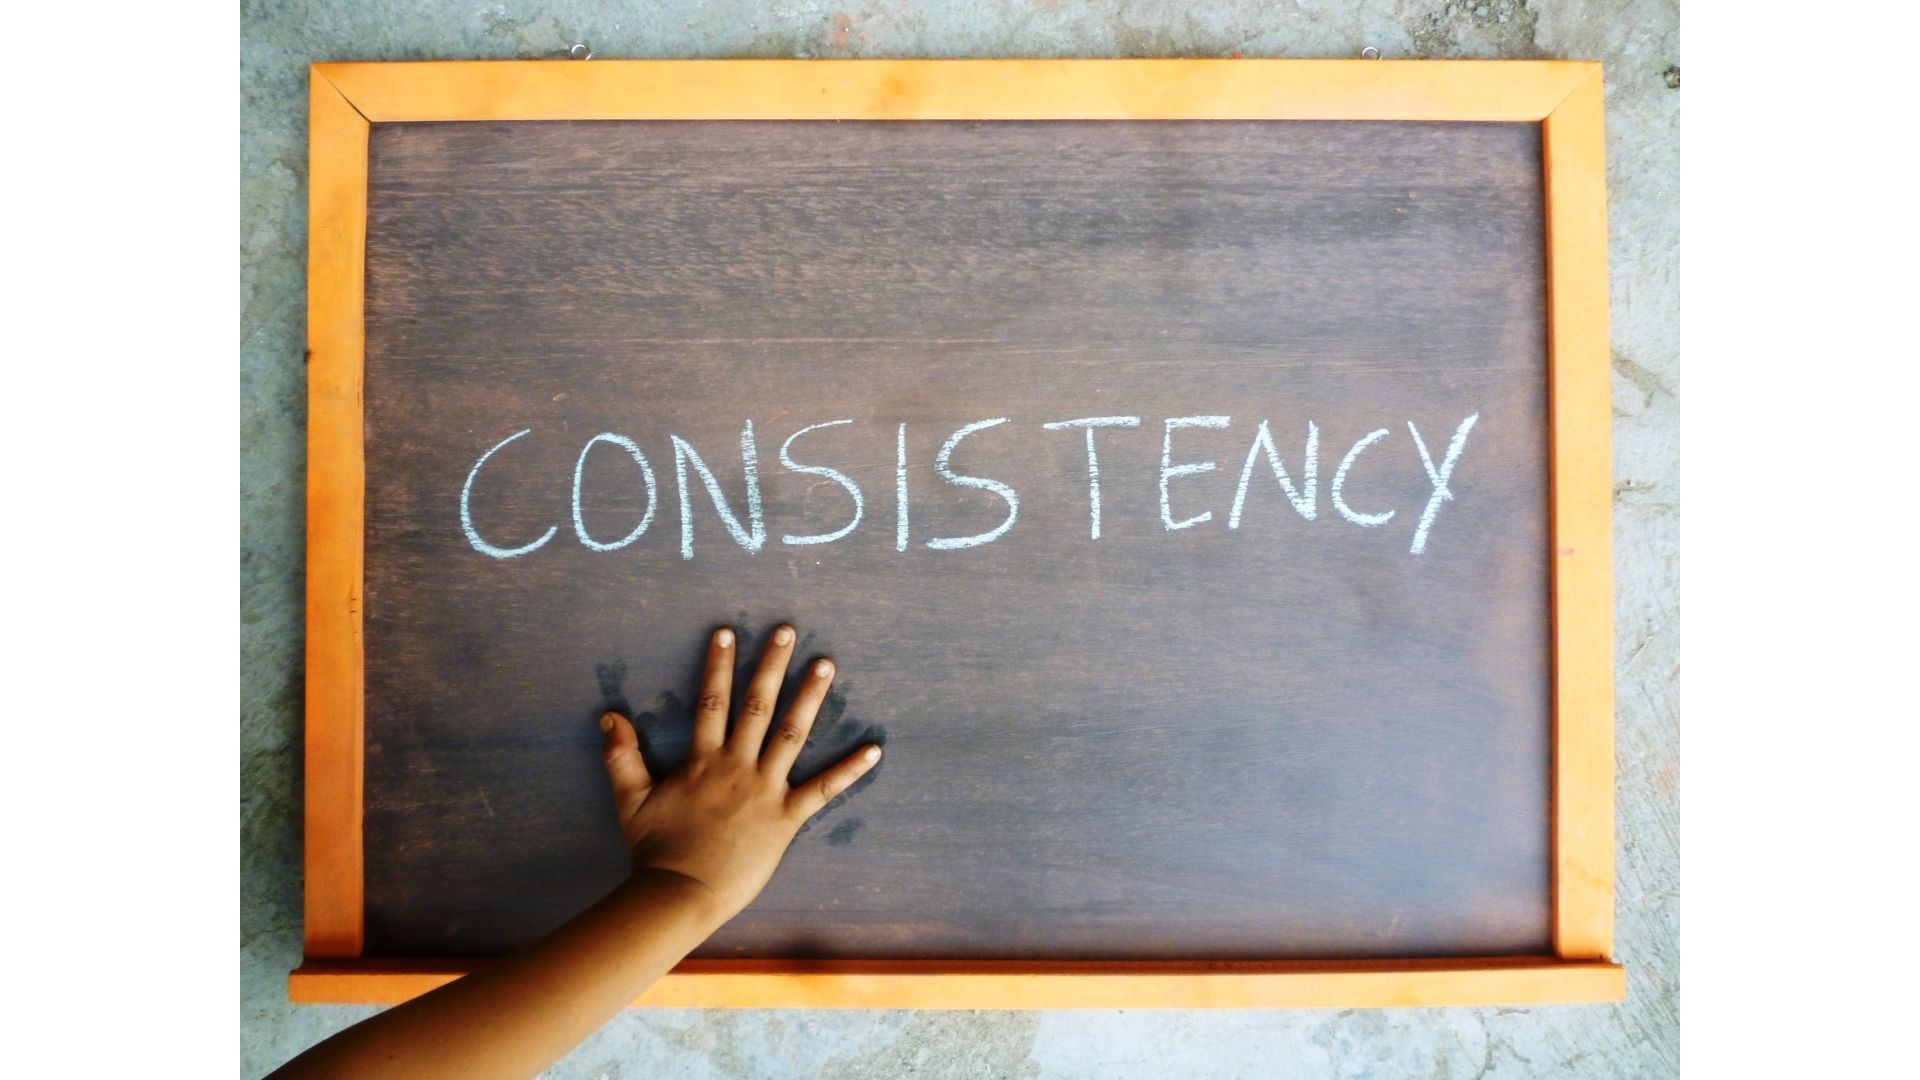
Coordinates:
1172	496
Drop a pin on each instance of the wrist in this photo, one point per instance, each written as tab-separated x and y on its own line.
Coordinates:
696	897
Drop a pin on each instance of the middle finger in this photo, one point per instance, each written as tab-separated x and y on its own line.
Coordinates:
750	727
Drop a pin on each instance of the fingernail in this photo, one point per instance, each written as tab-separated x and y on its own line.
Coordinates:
783	636
823	669
606	722
723	638
872	754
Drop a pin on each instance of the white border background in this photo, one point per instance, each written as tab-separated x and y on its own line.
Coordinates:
1800	447
119	770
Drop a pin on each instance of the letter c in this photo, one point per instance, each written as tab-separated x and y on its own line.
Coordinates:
466	515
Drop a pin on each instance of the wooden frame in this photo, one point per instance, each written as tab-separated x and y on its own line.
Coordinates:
1563	96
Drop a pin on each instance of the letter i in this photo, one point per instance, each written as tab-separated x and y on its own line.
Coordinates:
900	490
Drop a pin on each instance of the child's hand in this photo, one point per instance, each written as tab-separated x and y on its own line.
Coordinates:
704	842
724	817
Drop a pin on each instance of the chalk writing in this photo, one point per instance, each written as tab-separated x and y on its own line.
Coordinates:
943	463
1309	474
835	475
1438	477
1168	470
900	491
646	473
466	514
750	531
1340	481
751	537
1093	458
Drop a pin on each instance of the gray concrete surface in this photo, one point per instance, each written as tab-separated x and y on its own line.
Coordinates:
1639	42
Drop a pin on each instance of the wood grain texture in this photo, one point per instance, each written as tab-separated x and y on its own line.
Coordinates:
713	984
336	241
1004	89
1292	740
1574	144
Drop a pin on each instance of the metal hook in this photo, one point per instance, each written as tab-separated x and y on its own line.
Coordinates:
1369	53
579	51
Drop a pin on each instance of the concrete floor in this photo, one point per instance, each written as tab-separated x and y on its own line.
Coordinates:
1639	42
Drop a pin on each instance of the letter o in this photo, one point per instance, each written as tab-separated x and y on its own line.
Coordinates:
646	473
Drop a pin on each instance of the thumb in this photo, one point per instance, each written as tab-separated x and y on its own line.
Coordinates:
620	749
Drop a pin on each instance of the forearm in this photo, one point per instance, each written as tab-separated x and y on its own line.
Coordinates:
517	1016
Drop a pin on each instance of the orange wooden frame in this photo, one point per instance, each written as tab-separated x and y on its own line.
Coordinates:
1563	96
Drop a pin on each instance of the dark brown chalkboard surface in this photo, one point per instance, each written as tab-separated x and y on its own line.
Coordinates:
1289	738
